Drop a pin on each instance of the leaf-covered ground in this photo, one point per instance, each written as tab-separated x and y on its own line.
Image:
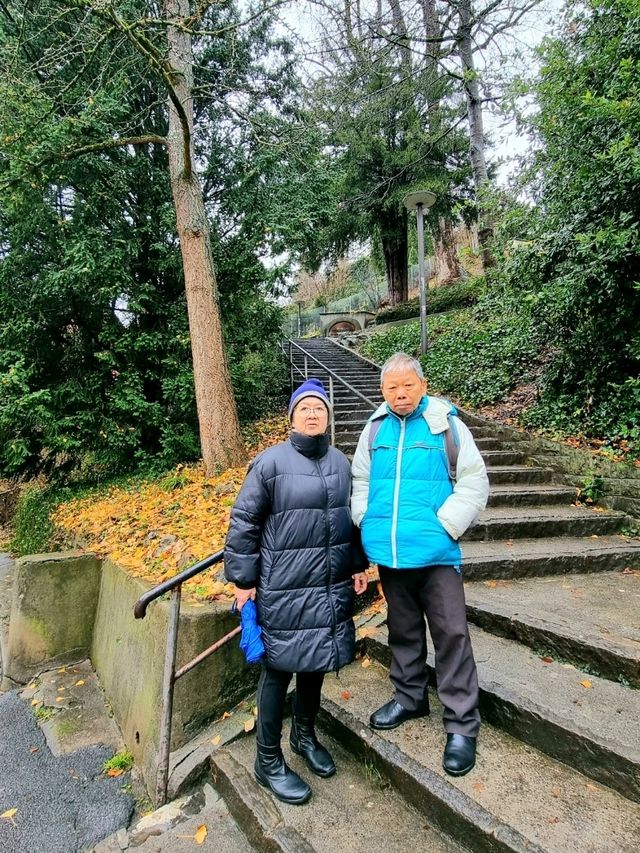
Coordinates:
159	527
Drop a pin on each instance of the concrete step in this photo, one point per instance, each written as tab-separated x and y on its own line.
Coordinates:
499	475
344	813
589	723
522	558
544	521
530	495
178	828
496	458
517	798
541	613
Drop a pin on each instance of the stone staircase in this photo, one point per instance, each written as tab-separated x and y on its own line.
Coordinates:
553	597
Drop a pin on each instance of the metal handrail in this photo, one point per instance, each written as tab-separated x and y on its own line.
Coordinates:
331	373
170	676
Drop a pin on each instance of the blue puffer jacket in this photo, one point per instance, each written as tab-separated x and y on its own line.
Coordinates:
408	484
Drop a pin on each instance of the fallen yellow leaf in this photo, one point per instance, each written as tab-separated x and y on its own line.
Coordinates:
216	740
115	771
586	683
201	834
79	683
8	815
35	702
249	724
366	663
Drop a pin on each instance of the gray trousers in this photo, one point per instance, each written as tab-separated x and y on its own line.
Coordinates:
436	592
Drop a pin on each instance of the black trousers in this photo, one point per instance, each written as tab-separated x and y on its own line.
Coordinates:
436	592
272	692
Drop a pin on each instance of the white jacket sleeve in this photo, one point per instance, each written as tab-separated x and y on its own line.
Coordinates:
360	470
471	489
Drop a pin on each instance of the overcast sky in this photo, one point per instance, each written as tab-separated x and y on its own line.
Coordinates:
302	19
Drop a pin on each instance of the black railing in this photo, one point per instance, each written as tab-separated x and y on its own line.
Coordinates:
170	675
333	378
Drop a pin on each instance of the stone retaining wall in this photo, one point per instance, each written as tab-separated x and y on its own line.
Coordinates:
52	613
128	655
69	606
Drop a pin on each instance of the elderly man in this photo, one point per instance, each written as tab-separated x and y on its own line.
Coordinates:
419	482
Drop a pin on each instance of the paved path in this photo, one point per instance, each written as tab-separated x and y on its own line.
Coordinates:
63	804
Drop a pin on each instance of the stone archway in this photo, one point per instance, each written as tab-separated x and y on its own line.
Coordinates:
342	326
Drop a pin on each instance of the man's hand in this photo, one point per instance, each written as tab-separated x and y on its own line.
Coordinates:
243	595
360	583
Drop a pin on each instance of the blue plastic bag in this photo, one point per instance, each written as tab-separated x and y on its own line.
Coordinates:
251	637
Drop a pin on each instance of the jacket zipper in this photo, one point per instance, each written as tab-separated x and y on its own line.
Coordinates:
396	496
329	572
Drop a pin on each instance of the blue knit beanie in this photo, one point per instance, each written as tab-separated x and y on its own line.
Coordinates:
309	388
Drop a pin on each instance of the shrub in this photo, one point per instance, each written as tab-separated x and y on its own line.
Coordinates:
446	298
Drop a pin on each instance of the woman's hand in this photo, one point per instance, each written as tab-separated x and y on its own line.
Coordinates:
243	595
360	583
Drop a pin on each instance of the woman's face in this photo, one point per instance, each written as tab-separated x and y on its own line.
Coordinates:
310	416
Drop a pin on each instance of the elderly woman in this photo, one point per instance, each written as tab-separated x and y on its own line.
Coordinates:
291	547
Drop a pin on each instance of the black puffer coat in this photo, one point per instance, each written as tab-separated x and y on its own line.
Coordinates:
291	536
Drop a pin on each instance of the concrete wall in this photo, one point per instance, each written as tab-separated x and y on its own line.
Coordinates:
69	606
128	655
52	613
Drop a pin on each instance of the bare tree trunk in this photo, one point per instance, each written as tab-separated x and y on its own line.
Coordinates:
220	437
432	32
476	127
400	32
447	264
394	247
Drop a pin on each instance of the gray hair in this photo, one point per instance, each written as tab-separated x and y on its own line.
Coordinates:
401	361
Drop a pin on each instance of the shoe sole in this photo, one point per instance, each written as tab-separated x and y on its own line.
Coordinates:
397	725
462	772
315	772
289	801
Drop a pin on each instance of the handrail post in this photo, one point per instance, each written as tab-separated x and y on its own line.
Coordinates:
306	367
167	696
291	365
333	418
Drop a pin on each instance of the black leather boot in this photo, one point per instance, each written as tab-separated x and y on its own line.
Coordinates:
304	742
272	772
459	754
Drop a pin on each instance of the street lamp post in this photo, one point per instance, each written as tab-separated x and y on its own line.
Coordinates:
418	201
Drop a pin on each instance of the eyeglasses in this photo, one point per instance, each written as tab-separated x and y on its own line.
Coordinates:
306	411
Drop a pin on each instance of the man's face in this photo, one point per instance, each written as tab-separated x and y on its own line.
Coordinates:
403	390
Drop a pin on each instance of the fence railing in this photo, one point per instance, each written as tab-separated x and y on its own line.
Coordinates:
290	345
170	674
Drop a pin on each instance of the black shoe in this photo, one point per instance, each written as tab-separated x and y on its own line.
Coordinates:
393	714
272	772
304	742
459	754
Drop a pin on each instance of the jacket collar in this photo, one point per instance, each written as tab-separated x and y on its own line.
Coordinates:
311	446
